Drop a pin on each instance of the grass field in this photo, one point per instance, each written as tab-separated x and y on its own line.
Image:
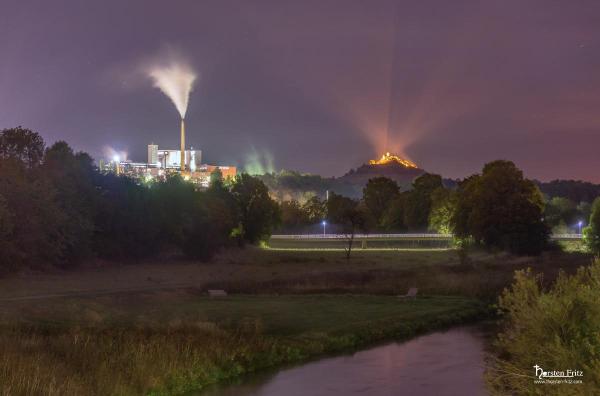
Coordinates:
149	327
261	271
171	343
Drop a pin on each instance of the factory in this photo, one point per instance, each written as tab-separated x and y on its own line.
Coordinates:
171	159
162	162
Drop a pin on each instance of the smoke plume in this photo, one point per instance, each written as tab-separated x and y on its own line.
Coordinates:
174	76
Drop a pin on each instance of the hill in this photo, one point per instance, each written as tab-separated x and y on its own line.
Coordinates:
287	185
575	190
401	170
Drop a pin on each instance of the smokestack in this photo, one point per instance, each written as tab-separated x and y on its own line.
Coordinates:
182	145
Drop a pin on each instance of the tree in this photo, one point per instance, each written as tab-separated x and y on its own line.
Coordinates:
315	209
133	220
259	214
32	222
393	217
584	210
501	209
7	246
350	215
23	145
72	177
377	195
209	226
560	211
216	176
418	201
443	204
591	233
575	190
293	216
223	213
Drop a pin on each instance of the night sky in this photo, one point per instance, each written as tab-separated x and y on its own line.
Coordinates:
313	84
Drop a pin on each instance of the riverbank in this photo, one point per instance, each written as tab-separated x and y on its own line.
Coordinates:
142	327
443	363
190	342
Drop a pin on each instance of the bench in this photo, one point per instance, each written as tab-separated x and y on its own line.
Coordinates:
217	293
412	293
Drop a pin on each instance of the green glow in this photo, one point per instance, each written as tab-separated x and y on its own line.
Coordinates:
259	163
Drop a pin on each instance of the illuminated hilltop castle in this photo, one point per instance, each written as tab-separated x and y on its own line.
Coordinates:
388	158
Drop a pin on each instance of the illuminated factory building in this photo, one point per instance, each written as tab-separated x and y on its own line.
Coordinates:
170	159
162	162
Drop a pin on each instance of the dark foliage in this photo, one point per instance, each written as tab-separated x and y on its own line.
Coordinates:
259	213
57	209
419	201
393	217
591	233
22	145
352	215
377	195
501	209
575	190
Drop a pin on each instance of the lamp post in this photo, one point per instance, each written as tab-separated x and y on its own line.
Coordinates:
324	223
579	224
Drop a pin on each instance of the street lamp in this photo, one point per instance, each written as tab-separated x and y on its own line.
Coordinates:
579	224
324	223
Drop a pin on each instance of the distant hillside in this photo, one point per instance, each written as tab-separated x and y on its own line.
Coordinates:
293	185
575	190
402	174
287	185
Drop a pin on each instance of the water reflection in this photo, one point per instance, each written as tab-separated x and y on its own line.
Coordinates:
442	363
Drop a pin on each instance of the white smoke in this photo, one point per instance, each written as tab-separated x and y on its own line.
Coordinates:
112	154
174	76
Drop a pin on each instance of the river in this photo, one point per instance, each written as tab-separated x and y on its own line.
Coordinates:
443	363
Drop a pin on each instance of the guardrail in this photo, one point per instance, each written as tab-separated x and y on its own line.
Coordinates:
363	236
397	236
566	236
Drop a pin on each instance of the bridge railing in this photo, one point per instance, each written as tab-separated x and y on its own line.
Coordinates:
398	236
363	236
566	236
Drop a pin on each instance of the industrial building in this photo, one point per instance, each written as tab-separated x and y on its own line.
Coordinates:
162	162
171	159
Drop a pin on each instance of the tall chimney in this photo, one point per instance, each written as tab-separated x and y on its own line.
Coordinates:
182	145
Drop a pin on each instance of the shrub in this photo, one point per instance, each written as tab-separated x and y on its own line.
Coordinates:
591	233
555	329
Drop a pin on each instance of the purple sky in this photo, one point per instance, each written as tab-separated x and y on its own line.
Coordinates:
312	83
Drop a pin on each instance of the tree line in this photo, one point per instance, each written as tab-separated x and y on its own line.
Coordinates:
57	209
498	208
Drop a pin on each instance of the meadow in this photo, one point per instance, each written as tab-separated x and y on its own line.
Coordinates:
149	328
179	341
